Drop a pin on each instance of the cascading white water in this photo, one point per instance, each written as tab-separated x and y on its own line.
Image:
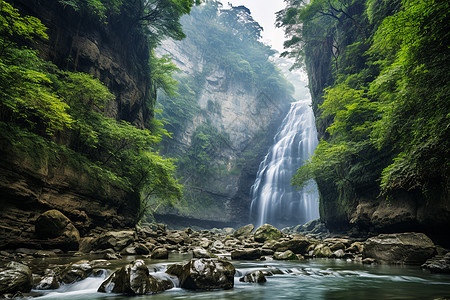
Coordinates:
274	199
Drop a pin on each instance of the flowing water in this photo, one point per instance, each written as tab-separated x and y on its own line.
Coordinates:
308	279
274	199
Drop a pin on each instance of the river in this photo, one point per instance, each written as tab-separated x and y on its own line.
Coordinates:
304	279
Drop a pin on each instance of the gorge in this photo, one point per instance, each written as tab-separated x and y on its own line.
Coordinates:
161	148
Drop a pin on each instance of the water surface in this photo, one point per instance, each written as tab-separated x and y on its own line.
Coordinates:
308	279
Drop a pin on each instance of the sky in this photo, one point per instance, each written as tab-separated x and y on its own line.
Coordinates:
263	11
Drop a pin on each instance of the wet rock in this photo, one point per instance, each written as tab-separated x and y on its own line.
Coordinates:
231	242
254	277
356	247
368	261
322	251
266	258
134	279
267	232
48	282
112	256
175	270
438	264
307	227
86	244
44	254
25	251
177	238
337	254
298	245
15	277
399	248
135	249
201	253
53	224
337	246
116	240
160	253
207	274
76	272
244	231
218	245
286	255
246	254
205	243
6	254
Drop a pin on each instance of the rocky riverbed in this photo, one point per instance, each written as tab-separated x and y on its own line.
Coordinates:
213	253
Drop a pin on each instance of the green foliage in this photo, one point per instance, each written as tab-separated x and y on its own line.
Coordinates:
162	71
180	108
387	109
206	145
58	115
12	24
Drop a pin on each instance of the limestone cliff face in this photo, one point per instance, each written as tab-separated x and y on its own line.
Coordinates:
112	52
247	117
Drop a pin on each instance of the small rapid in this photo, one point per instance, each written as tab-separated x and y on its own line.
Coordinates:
274	199
306	279
85	289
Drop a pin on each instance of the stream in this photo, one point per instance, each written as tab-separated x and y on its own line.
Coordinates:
304	279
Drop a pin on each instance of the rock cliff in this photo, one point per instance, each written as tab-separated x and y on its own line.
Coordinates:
114	52
247	120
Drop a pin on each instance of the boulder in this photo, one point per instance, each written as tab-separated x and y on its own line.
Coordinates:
53	224
322	251
299	245
356	247
135	249
177	238
44	254
228	230
337	254
286	255
116	240
48	282
267	232
244	231
160	253
205	243
246	254
207	274
368	261
218	245
76	271
134	279
112	256
254	277
438	264
16	277
201	253
175	270
87	244
399	248
337	246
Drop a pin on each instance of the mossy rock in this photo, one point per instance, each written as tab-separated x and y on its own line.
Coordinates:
267	232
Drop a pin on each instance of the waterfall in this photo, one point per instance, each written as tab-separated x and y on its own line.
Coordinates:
274	199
